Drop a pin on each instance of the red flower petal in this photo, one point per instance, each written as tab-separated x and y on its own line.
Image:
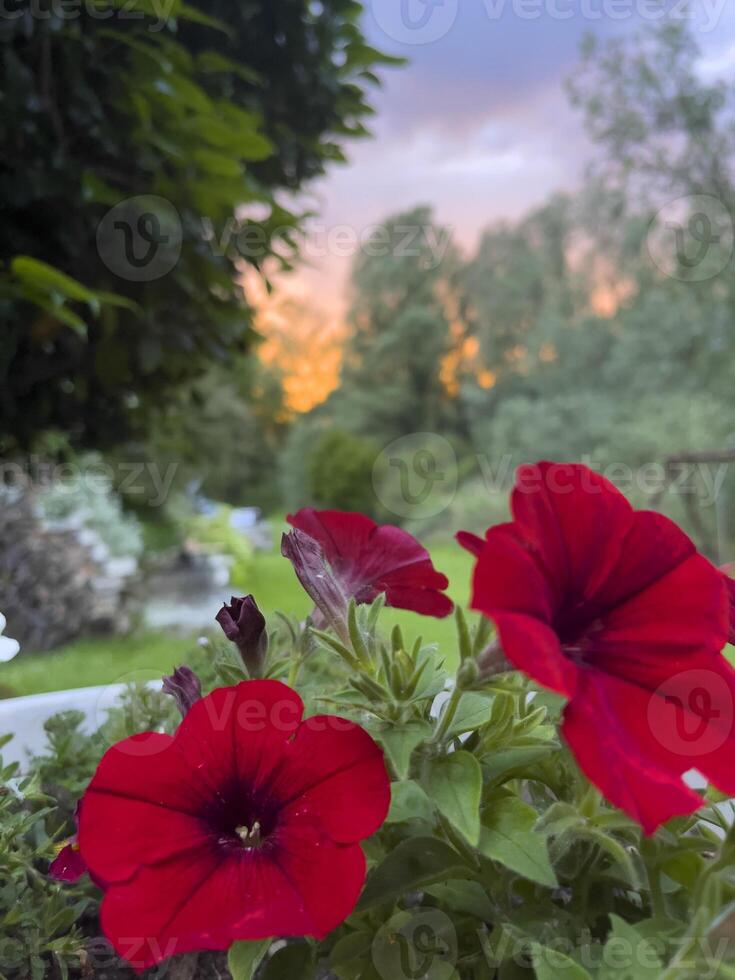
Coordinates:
607	727
636	745
239	733
507	578
653	547
425	602
194	902
143	803
661	629
534	648
68	865
574	520
340	533
305	888
328	878
122	834
470	542
349	795
368	559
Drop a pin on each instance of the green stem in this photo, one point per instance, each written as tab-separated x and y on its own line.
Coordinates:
294	671
658	903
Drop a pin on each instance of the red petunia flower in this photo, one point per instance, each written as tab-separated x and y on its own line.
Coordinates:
369	558
615	609
243	825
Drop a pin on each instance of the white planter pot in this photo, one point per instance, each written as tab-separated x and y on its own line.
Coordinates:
25	717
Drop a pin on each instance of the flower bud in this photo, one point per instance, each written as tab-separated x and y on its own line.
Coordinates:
468	675
310	564
244	625
184	687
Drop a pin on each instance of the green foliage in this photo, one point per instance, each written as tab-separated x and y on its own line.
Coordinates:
495	841
216	534
86	499
165	107
341	472
223	432
244	958
399	330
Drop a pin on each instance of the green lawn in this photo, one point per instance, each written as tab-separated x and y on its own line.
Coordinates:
147	655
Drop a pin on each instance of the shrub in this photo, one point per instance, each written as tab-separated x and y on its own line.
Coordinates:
340	471
86	500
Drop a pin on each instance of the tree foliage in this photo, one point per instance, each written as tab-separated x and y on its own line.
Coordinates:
585	329
186	112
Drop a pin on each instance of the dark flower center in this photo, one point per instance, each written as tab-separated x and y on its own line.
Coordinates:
250	836
577	628
242	819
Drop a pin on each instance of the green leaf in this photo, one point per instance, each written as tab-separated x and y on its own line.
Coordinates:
40	275
454	783
473	711
294	962
409	802
400	742
219	164
61	313
507	762
464	896
628	955
684	868
507	837
244	958
196	16
414	864
552	965
624	865
213	62
349	955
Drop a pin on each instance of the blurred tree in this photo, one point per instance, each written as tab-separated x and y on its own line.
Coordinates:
185	111
340	469
520	276
662	127
223	431
403	287
666	133
608	342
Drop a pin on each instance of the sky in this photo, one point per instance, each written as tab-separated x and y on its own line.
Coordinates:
477	124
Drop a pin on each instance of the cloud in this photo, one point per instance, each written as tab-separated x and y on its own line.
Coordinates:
477	125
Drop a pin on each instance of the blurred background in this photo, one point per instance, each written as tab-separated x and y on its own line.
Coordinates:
262	254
